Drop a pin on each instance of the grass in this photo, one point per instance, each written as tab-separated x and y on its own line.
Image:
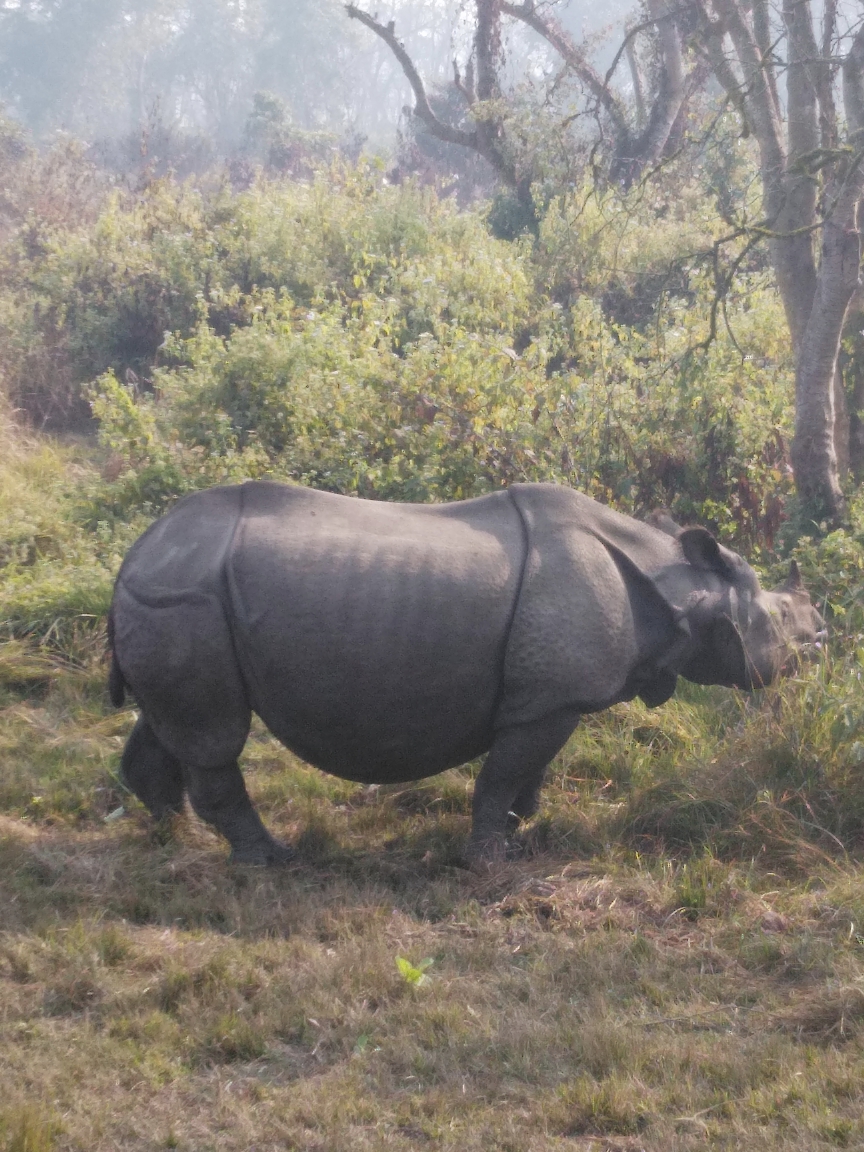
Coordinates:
673	960
676	959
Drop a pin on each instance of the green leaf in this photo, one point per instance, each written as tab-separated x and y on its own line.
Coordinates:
411	974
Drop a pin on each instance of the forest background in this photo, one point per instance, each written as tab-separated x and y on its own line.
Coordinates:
227	250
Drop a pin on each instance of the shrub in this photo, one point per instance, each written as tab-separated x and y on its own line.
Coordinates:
372	339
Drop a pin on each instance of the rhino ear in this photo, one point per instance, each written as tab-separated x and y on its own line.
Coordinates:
661	520
703	552
794	583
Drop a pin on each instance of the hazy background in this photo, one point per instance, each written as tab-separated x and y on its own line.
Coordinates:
104	70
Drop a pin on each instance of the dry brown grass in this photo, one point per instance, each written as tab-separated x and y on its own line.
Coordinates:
583	997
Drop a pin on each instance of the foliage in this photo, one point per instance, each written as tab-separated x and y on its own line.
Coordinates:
99	68
275	141
55	576
415	975
372	339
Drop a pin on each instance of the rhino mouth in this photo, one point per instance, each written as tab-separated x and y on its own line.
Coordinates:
799	653
805	652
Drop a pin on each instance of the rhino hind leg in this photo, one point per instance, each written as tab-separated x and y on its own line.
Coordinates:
219	797
151	772
511	779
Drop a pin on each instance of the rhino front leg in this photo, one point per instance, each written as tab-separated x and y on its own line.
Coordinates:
219	797
526	803
511	779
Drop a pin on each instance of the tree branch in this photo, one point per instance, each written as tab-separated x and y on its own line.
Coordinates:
801	115
757	90
466	86
422	109
637	82
762	34
825	78
487	48
556	35
853	87
711	49
650	144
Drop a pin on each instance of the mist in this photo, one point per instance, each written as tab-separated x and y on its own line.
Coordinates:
106	70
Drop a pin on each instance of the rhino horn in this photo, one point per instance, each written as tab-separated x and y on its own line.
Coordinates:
703	552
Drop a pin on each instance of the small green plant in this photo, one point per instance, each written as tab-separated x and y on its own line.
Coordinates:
411	974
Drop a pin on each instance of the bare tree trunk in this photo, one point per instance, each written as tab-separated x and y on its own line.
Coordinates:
815	295
636	77
842	426
814	456
855	321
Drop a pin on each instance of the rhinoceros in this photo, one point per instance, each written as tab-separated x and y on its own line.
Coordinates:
387	642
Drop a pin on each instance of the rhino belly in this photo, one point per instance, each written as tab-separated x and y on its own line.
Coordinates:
372	638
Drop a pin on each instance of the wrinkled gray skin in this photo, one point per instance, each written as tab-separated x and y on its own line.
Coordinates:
387	642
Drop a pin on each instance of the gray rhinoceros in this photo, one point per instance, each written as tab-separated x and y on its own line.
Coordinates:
387	642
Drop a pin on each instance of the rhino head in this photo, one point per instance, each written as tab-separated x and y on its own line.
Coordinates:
741	635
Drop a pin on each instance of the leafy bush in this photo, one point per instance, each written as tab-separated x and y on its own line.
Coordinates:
425	397
372	339
376	340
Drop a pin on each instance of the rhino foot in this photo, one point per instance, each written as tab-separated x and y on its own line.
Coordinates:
486	851
219	797
273	853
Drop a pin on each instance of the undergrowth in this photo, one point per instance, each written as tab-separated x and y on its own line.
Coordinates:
674	958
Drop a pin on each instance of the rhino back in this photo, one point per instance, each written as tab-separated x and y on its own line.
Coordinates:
184	551
372	635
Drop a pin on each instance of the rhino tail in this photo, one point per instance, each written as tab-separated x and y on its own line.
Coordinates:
116	683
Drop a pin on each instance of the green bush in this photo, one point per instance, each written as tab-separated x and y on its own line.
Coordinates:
341	396
369	339
374	339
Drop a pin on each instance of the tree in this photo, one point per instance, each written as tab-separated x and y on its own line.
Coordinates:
481	89
812	184
636	142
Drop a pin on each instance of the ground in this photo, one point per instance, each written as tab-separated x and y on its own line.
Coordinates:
606	989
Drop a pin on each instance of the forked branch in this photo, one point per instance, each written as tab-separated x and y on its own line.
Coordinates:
634	151
422	108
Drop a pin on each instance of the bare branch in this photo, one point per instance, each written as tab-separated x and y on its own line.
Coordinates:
487	48
762	33
556	35
764	115
669	99
488	137
422	109
711	49
634	31
824	70
466	86
637	81
853	87
801	116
